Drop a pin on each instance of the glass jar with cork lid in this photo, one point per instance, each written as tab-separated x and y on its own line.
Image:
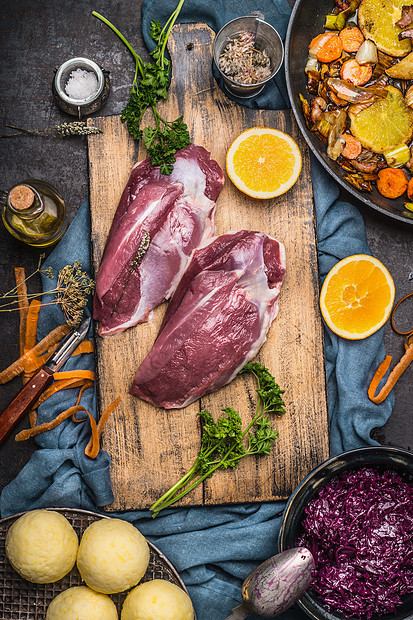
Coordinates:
34	212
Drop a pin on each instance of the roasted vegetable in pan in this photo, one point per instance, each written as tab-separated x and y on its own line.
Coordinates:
360	82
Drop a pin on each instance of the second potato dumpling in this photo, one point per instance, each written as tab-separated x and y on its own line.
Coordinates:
157	600
113	556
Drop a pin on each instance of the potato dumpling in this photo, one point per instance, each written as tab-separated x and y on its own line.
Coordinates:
113	556
81	603
157	600
41	546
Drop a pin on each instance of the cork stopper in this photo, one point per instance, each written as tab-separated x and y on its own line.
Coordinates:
21	197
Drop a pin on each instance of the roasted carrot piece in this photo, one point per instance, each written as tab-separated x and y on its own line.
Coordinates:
354	73
392	182
351	38
352	148
410	189
327	47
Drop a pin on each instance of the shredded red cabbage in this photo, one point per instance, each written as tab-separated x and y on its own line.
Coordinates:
359	528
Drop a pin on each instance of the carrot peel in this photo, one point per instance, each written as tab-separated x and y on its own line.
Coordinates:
392	379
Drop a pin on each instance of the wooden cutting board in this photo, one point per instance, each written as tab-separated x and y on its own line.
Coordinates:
152	448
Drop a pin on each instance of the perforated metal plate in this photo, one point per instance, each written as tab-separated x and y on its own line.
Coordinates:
22	600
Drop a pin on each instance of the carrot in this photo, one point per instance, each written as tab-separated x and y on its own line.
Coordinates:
352	148
48	426
79	374
410	189
326	47
32	321
351	38
18	367
31	332
62	384
392	379
392	182
21	288
92	447
86	346
354	73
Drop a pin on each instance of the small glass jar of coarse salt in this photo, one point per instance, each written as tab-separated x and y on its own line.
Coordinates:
80	86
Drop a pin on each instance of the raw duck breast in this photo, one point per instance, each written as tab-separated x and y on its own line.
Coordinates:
176	212
216	321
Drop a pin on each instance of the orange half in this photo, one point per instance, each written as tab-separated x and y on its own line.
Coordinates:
357	296
263	162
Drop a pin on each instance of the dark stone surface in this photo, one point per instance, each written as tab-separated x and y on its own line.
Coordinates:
36	36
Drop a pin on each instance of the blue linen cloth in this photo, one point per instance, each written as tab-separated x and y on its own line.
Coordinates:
213	548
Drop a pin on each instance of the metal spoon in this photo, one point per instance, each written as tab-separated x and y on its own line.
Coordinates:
276	584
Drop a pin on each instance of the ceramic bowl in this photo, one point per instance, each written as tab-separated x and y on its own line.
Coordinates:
381	457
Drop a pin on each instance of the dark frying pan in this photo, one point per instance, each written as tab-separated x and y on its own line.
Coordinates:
306	21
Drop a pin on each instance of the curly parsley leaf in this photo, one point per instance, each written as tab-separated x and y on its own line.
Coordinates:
222	442
150	85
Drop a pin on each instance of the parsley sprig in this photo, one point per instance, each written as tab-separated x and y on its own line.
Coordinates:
150	85
224	442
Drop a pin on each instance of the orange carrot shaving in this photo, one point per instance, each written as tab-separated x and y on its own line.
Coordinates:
326	47
21	288
18	367
48	426
409	331
392	379
33	417
392	182
31	329
79	374
91	448
86	346
354	73
351	38
62	384
352	148
31	332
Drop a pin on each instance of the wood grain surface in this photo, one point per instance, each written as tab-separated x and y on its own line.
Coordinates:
152	448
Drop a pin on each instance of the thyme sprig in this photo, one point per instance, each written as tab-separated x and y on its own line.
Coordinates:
74	128
72	290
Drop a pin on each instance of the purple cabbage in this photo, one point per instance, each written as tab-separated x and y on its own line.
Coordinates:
359	528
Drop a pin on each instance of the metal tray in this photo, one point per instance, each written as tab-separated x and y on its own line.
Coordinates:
22	600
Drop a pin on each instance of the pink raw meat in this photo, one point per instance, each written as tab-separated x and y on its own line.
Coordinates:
177	212
216	321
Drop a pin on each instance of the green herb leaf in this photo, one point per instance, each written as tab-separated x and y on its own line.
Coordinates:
222	442
151	84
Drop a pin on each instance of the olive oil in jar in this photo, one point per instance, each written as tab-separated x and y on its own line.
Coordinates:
34	212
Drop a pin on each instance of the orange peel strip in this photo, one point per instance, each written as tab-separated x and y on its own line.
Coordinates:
392	379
